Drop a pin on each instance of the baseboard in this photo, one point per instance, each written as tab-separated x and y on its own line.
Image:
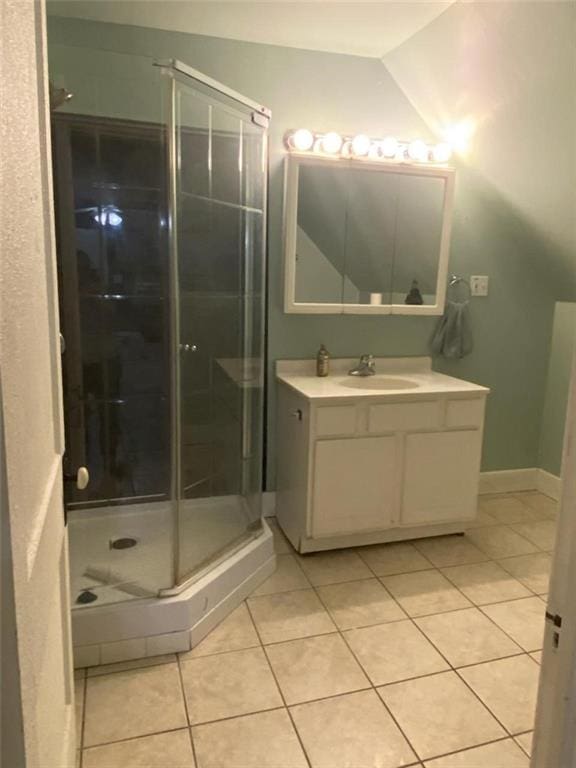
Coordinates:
549	484
508	480
529	479
269	503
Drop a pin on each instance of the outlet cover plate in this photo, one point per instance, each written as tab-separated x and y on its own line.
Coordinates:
479	285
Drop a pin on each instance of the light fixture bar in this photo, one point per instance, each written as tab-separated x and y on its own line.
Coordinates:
387	149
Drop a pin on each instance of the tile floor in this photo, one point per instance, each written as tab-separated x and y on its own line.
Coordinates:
412	654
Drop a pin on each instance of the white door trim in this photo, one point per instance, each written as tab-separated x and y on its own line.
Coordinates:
555	732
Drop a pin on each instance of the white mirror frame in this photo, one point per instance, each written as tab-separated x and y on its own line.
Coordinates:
293	161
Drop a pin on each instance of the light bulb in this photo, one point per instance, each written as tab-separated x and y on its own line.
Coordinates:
302	139
442	152
360	145
417	150
459	135
389	146
331	143
108	217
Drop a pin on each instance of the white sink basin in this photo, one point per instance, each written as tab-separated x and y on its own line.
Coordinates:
379	383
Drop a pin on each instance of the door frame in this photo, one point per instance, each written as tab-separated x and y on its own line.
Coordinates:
555	728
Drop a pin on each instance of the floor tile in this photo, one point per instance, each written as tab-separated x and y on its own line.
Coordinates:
235	633
351	731
315	667
532	570
440	714
287	577
123	666
509	688
136	703
265	740
163	750
360	603
390	559
507	509
393	652
542	534
484	583
539	502
334	567
525	741
523	620
290	615
467	637
449	550
425	592
500	754
229	684
537	656
281	544
500	541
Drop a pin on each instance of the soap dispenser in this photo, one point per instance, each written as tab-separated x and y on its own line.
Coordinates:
322	361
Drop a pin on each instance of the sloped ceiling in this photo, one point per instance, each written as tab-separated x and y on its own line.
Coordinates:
369	29
506	71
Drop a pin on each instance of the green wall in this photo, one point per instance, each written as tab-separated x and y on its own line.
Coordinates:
512	326
557	387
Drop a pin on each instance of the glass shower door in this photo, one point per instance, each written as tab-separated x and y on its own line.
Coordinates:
218	276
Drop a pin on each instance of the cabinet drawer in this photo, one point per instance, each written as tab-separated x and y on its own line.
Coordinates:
336	420
396	417
465	413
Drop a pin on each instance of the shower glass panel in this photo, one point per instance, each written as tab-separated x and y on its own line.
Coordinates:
111	179
160	216
218	227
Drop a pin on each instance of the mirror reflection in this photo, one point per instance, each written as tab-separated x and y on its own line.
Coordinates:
366	236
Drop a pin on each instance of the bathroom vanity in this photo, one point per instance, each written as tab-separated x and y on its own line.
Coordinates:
363	460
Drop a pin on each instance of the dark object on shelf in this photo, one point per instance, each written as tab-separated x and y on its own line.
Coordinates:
414	296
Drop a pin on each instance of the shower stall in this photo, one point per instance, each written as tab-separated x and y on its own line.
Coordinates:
160	196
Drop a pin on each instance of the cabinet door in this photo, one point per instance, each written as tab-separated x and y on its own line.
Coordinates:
441	477
354	485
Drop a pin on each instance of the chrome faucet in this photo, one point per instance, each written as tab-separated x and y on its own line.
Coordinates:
365	367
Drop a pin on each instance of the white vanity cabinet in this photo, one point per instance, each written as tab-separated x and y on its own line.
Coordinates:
376	468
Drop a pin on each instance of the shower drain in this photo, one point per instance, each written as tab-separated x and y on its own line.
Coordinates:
125	543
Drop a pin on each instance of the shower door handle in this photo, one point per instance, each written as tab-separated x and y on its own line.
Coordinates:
188	348
81	478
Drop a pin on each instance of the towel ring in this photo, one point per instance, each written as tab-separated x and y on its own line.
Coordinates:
456	280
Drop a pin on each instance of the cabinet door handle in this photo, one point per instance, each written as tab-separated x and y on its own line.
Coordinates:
297	414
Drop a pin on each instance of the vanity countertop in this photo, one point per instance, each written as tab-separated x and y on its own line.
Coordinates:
399	378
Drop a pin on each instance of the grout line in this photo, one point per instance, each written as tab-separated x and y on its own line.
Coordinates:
215	653
83	720
280	691
183	694
468	749
135	738
451	668
372	686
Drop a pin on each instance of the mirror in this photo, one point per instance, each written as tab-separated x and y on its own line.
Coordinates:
364	237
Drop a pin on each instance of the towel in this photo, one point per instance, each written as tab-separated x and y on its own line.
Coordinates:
453	336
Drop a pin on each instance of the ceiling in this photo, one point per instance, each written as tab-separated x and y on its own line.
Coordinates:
369	29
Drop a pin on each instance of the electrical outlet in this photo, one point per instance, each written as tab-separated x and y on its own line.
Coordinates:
479	285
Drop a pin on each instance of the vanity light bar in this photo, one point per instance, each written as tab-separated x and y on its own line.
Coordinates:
387	149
